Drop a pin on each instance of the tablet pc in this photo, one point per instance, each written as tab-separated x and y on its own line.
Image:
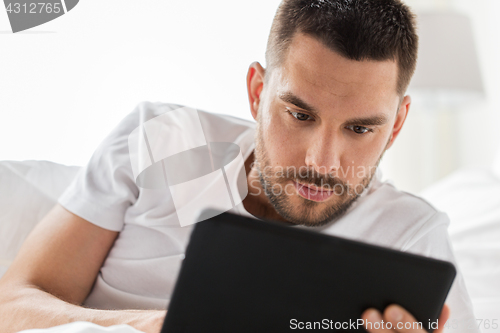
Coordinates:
247	275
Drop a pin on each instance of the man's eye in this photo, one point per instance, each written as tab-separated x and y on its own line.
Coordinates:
360	129
300	116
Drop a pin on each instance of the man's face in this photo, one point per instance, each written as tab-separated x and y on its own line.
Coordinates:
323	124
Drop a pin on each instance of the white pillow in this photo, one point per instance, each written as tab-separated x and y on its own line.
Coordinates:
496	164
471	198
29	189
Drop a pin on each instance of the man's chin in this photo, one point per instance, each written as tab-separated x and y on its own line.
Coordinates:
301	211
308	222
298	210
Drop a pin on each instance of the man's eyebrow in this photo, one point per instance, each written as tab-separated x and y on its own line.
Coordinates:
376	120
290	98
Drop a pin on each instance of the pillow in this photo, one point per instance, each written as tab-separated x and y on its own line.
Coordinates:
471	198
29	190
496	164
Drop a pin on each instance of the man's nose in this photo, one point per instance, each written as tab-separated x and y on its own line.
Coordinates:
323	152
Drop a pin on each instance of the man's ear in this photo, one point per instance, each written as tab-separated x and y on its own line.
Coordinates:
255	85
400	119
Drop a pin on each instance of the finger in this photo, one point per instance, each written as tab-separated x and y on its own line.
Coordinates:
402	321
374	323
443	318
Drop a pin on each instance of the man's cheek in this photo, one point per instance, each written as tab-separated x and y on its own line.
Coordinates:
355	171
281	143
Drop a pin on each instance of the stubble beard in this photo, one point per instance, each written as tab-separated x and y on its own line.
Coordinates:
308	212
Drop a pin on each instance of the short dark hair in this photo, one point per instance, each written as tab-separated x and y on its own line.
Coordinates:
356	29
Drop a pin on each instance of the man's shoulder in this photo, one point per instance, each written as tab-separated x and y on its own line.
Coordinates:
400	201
407	210
148	110
215	126
388	216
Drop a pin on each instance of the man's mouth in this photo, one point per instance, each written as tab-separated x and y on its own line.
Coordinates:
312	192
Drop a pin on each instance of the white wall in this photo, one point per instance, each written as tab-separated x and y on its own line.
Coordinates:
66	83
413	161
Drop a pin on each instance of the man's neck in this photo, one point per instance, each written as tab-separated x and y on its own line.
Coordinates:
256	202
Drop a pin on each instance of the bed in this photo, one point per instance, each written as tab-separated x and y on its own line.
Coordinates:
471	197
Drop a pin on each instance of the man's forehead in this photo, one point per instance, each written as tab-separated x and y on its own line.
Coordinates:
313	69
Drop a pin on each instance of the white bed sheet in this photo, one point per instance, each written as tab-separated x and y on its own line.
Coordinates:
85	327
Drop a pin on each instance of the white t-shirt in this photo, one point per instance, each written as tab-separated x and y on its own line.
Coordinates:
142	266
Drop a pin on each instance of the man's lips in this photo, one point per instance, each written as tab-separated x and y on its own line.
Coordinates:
312	192
314	187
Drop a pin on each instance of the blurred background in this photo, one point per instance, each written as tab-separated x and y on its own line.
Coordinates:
65	84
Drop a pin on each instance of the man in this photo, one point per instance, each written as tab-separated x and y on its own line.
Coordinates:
328	105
